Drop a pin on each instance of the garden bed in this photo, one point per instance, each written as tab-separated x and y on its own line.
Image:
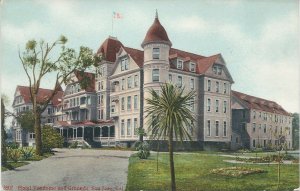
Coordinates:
237	171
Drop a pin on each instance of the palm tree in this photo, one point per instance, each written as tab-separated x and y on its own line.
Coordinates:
169	115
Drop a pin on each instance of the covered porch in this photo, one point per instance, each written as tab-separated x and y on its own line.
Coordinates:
89	132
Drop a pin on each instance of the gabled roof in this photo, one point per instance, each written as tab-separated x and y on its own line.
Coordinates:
136	55
43	94
205	63
257	103
174	53
80	76
109	49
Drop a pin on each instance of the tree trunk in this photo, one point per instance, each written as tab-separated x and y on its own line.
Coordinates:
172	170
3	136
37	127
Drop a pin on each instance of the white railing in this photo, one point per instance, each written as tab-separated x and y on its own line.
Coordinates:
106	141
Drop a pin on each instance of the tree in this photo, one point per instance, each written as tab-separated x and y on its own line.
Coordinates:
295	130
3	135
40	59
26	119
51	138
169	116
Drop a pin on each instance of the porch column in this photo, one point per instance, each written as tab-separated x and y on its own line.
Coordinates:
83	132
76	132
67	133
93	133
108	132
73	132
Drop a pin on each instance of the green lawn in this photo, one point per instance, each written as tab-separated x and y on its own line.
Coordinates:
193	173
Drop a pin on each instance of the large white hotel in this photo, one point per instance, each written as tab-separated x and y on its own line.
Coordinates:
111	109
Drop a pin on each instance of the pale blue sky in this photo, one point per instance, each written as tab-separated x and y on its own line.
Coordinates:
258	39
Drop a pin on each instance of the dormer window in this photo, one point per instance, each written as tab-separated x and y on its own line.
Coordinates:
155	53
179	64
219	70
215	69
192	67
124	64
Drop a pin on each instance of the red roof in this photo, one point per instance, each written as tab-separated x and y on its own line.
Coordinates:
136	55
43	94
258	103
156	33
205	63
109	49
174	53
91	76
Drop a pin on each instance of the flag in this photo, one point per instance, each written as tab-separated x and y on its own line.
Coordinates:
117	15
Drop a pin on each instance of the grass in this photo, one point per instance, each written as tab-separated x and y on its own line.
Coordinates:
193	172
13	165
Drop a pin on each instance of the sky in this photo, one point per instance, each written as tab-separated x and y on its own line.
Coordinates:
258	39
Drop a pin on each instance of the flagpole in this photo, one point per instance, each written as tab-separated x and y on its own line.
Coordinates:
112	25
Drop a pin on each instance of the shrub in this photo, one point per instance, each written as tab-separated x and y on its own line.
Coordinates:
143	149
51	139
74	145
27	152
13	145
13	154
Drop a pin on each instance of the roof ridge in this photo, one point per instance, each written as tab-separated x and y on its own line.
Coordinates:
188	52
254	96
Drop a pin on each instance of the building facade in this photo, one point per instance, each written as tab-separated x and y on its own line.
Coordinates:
22	103
111	109
259	123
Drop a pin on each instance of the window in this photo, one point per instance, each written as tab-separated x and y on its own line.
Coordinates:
179	81
219	70
129	82
123	84
155	75
225	129
124	64
208	85
225	107
253	143
215	69
208	104
136	80
128	127
225	88
192	67
129	103
192	84
113	108
88	99
101	114
265	128
259	114
208	128
179	64
77	100
217	87
135	102
254	114
123	104
155	53
49	120
101	85
170	77
122	127
217	128
217	105
253	127
49	111
265	143
101	99
244	114
135	126
236	139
